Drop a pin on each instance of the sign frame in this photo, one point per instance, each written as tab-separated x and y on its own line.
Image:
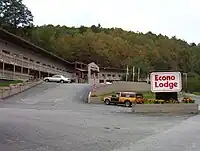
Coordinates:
159	73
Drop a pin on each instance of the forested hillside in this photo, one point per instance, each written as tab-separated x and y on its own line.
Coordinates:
118	48
112	47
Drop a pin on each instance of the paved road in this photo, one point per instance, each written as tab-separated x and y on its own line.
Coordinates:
55	117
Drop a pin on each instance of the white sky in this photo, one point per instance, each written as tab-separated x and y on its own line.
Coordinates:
168	17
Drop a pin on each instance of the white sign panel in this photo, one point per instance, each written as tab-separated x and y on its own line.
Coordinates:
166	82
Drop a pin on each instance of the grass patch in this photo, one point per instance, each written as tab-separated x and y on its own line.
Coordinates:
7	83
147	95
196	93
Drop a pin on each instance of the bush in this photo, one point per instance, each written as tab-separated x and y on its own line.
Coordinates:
193	84
187	100
154	101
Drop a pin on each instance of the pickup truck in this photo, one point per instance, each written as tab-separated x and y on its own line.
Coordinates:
126	98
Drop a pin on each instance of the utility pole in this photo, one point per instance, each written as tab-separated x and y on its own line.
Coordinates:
133	73
138	74
185	82
127	73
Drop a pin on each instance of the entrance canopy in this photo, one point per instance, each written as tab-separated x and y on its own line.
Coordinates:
93	67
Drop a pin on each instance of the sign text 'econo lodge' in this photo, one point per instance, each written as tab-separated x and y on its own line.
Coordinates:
166	82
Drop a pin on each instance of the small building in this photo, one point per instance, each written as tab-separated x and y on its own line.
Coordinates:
111	74
87	73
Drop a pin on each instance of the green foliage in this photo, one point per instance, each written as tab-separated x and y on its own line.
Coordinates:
13	13
193	84
7	83
117	48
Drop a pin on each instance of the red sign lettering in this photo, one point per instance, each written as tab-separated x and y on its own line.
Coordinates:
163	78
171	85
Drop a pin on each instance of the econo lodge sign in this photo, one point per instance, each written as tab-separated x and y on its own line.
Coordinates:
166	81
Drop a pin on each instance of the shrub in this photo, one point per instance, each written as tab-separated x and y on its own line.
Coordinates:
187	100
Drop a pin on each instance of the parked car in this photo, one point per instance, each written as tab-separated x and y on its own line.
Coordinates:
57	78
126	98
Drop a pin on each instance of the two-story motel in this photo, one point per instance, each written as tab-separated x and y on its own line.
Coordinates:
20	59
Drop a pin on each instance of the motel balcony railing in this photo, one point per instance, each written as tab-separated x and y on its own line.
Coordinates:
10	75
19	61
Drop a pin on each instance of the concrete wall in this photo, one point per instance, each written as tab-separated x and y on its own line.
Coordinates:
122	86
165	108
12	90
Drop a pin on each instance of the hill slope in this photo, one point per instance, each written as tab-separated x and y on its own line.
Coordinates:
117	48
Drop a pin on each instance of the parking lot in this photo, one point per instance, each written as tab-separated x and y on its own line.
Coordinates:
55	117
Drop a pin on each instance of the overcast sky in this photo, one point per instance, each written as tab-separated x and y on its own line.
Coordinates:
168	17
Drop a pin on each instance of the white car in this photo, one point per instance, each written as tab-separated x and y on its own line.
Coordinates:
57	78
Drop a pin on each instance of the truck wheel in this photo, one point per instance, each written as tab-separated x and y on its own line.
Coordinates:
61	81
107	101
127	103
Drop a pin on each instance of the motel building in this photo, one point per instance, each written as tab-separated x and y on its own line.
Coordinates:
20	59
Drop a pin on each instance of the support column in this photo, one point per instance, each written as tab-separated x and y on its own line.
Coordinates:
39	74
89	74
22	66
3	68
28	72
14	71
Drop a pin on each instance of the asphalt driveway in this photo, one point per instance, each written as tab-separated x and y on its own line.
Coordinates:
55	117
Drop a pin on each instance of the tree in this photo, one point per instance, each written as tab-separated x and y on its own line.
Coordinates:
14	14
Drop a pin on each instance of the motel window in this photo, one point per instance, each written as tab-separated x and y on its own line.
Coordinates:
31	60
53	67
37	62
49	65
109	75
25	58
113	75
119	75
103	75
101	81
6	52
16	55
44	64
